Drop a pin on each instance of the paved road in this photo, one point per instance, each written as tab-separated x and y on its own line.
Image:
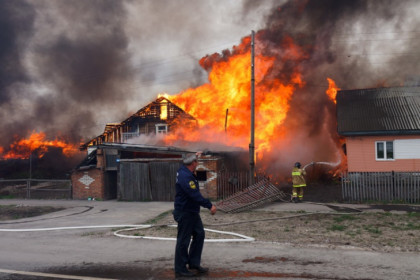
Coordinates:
98	254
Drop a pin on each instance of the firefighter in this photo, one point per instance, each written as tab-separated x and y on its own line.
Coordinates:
188	200
299	182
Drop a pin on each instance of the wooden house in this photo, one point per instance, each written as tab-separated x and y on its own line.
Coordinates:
159	116
381	127
117	169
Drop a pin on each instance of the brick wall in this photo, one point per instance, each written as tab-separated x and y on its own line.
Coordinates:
88	184
210	164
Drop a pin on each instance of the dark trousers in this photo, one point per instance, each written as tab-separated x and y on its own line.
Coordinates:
189	225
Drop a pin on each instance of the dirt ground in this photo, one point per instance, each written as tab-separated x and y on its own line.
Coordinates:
13	212
386	232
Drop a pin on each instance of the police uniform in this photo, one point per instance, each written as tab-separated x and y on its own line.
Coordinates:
188	200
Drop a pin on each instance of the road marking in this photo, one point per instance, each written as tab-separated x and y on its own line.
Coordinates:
40	274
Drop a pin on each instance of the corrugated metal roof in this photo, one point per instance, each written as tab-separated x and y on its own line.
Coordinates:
379	111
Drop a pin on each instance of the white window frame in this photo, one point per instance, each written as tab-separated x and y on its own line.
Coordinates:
385	158
159	125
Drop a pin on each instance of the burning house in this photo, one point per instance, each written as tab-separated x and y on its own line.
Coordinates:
381	127
117	167
158	117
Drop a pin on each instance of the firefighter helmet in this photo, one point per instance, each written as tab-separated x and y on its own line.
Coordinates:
297	164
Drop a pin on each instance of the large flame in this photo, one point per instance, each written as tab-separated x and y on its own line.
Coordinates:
332	90
222	106
23	148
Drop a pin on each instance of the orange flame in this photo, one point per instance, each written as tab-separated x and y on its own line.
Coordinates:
22	148
229	88
332	90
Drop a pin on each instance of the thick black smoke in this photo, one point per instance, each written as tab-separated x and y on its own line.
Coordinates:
16	27
326	33
70	67
56	79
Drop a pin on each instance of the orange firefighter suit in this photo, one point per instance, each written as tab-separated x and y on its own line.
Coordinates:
299	183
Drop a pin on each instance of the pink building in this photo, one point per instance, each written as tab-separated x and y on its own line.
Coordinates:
381	128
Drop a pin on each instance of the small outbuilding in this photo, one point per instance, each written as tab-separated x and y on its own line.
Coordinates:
136	172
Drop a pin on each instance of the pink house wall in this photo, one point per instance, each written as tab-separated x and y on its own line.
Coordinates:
361	155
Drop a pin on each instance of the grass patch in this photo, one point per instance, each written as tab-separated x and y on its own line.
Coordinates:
345	217
372	229
9	196
353	233
411	226
159	217
336	227
413	215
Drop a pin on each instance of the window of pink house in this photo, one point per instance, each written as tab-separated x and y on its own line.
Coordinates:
384	150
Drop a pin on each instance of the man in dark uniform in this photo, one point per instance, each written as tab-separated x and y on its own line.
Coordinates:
188	200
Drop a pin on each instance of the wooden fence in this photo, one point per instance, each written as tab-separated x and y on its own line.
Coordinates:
381	186
229	183
36	188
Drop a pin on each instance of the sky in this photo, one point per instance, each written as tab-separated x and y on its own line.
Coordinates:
71	66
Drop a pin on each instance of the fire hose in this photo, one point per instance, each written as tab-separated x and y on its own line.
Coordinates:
118	233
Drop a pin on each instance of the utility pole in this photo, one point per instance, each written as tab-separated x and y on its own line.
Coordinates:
251	145
30	166
226	119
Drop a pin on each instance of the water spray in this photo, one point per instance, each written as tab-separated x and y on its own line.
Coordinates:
332	164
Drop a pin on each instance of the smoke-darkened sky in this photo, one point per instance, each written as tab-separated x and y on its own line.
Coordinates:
70	67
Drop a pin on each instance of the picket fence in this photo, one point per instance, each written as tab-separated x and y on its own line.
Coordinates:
401	187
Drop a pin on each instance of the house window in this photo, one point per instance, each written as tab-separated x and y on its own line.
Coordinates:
384	150
161	128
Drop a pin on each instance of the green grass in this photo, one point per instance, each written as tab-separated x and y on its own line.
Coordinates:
336	227
411	226
372	229
413	215
353	233
158	217
9	196
345	217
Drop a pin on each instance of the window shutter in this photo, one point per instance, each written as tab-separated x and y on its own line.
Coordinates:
407	149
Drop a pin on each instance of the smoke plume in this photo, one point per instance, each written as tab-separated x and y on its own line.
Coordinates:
70	67
339	40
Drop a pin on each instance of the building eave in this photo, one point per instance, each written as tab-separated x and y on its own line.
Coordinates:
379	133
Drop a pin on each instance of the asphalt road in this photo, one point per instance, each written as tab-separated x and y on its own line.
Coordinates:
96	253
